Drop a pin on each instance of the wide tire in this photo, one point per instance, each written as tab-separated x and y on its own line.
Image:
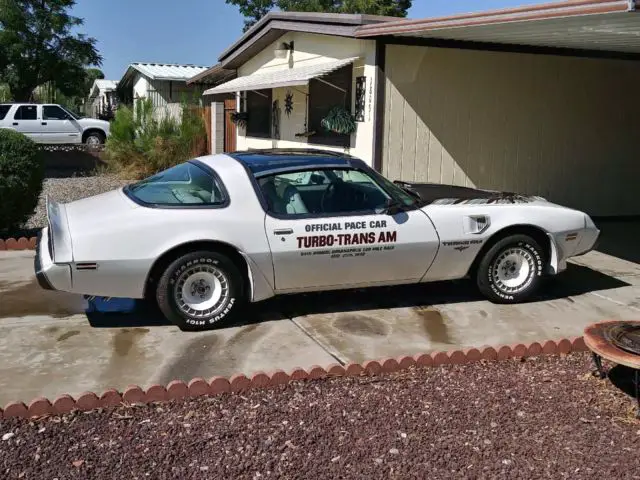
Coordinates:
512	269
200	290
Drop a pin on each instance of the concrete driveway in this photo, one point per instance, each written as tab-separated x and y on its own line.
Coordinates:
49	346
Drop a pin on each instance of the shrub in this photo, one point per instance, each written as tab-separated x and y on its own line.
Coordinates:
21	177
144	141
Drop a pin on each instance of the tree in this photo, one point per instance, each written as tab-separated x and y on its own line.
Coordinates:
37	46
254	10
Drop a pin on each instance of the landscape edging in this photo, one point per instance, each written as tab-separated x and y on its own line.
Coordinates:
22	243
177	389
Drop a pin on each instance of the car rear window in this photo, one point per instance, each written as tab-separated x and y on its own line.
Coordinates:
4	109
186	184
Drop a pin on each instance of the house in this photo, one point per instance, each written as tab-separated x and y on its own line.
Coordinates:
164	84
536	99
101	96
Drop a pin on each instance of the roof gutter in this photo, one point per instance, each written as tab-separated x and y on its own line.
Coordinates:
535	12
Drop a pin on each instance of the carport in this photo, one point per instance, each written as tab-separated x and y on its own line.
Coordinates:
540	100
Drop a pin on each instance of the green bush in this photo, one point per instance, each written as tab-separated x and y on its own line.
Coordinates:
141	142
21	177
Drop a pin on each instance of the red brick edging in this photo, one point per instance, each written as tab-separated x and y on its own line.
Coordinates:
21	243
178	389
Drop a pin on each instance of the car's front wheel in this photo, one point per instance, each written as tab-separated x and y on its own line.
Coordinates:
200	290
511	270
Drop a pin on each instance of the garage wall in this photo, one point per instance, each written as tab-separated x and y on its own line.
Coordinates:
564	128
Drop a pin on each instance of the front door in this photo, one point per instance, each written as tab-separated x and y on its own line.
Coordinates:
58	126
326	231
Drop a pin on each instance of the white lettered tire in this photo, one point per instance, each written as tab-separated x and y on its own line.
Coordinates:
511	270
200	290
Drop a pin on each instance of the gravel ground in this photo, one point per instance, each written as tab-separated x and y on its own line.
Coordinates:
542	418
69	189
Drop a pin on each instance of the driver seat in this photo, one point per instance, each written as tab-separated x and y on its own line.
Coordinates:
293	200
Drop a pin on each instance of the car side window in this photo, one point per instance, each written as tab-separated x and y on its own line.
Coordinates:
51	112
185	184
26	112
322	192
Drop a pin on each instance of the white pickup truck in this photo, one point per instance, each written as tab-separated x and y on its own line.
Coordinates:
52	124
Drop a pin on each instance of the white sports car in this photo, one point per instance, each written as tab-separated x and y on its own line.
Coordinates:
212	233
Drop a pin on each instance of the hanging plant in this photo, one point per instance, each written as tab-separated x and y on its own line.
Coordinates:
239	118
288	104
339	120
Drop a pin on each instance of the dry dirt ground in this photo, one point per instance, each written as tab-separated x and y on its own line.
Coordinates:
544	417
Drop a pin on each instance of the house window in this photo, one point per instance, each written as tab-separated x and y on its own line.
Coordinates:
323	96
258	107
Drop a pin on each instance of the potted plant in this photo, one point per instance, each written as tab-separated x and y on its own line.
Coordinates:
239	118
339	120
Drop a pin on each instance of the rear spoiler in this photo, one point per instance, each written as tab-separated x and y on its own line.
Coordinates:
59	234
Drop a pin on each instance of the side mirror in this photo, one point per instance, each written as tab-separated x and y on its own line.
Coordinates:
391	207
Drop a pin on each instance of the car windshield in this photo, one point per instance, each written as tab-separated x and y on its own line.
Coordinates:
394	190
72	113
185	184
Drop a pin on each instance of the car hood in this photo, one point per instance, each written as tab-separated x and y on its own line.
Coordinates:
94	122
96	213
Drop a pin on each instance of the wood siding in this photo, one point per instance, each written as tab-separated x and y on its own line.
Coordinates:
559	127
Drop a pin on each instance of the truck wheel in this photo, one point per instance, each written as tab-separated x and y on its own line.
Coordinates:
94	139
511	271
200	290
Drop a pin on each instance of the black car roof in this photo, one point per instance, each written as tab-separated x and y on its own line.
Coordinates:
261	162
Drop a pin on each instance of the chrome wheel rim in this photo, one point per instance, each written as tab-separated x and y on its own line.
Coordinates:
201	291
513	270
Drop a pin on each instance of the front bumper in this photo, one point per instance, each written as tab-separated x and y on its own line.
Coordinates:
50	276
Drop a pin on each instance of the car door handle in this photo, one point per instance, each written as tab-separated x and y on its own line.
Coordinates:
283	231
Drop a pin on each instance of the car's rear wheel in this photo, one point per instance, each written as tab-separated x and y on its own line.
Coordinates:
200	290
511	270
